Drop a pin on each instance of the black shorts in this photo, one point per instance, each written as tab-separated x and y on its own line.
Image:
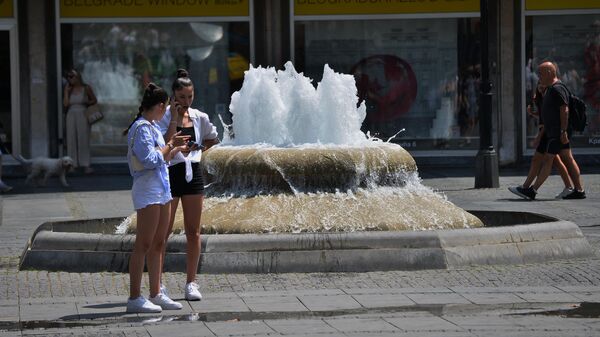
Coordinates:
181	187
552	145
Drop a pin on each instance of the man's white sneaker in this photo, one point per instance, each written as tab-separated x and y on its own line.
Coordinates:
140	305
165	302
192	293
566	191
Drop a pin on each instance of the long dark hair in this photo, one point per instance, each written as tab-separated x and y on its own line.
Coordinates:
182	80
153	95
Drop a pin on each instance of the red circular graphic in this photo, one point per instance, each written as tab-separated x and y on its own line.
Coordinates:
387	82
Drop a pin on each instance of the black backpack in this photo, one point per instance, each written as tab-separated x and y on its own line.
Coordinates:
577	109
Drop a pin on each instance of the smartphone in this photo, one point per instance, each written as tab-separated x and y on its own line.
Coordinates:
191	144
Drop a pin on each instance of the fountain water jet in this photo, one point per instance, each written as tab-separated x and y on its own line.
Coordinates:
296	161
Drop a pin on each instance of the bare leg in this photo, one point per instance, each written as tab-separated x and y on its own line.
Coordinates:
534	168
172	210
562	170
156	253
192	213
544	171
147	219
567	158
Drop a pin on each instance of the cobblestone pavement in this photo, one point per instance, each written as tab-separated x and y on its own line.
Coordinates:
516	300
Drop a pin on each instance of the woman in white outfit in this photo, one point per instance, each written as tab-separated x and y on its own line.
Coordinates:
185	173
147	156
77	97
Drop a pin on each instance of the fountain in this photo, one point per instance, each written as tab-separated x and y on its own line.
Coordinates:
297	187
295	160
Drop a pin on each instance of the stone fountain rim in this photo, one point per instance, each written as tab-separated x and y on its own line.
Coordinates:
320	252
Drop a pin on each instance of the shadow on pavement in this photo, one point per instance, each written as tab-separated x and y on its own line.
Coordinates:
77	183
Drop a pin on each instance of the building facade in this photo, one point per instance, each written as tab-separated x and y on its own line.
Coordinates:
416	64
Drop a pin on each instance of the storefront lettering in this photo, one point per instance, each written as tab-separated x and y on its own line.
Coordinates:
359	7
408	145
322	2
593	141
95	3
143	3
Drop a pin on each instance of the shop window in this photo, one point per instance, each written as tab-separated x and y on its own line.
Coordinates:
422	75
573	43
118	59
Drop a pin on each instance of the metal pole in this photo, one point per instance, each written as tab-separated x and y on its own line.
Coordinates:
486	161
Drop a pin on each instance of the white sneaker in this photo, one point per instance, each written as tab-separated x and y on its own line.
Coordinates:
140	305
165	302
565	191
163	290
192	293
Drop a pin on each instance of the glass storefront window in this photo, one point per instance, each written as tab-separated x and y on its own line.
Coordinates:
418	74
118	59
573	43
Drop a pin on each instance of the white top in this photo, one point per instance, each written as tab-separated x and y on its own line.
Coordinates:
203	129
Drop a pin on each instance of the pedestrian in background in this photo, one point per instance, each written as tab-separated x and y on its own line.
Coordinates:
541	143
77	97
555	115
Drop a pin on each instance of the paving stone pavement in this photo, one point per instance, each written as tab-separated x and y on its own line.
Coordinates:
516	300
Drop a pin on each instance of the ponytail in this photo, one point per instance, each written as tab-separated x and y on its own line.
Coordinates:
153	95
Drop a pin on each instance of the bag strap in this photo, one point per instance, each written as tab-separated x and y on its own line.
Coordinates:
135	133
564	86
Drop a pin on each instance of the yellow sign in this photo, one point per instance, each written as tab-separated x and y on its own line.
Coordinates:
537	5
358	7
152	8
6	9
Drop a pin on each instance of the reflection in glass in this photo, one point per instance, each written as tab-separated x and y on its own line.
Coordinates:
417	74
119	59
573	43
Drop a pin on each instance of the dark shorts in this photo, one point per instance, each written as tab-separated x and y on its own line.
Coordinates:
552	145
181	187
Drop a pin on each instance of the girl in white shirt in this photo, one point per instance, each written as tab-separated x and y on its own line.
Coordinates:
185	173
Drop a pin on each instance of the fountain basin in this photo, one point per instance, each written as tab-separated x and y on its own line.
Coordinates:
508	238
319	188
315	168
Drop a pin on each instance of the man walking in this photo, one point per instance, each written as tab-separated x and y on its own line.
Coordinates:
555	113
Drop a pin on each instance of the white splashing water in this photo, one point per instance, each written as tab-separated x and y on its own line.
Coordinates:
283	108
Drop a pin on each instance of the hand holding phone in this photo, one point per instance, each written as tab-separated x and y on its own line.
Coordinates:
192	145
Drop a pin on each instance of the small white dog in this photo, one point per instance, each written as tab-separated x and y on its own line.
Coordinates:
41	168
